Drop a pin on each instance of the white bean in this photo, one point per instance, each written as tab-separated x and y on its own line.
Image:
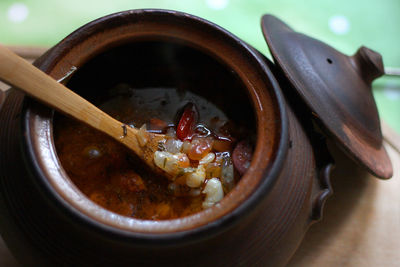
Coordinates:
214	192
169	162
143	135
207	158
227	176
173	145
196	178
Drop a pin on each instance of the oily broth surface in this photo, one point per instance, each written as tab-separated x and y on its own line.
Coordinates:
135	107
108	174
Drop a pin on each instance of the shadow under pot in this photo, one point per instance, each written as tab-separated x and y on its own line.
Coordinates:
72	196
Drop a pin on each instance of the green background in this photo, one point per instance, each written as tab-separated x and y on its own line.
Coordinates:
373	23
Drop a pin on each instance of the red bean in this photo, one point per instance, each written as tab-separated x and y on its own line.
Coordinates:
187	122
242	155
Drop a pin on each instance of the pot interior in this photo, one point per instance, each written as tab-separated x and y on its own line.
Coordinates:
166	65
141	82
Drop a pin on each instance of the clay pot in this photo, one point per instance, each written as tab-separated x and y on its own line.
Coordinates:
46	220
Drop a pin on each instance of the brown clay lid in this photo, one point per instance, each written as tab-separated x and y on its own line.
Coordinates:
337	88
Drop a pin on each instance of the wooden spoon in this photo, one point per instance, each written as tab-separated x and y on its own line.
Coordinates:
17	72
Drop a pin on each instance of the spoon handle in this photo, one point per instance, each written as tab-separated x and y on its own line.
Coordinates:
19	73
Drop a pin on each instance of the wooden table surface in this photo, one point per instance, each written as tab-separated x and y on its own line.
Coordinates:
361	222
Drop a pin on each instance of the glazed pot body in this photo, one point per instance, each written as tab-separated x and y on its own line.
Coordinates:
41	226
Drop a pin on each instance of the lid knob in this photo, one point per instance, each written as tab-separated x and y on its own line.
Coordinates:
368	63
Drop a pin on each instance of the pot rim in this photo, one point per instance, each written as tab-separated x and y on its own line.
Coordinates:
222	218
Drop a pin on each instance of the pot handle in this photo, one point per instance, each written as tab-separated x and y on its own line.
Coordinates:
322	189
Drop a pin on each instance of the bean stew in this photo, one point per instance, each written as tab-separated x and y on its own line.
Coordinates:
155	87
